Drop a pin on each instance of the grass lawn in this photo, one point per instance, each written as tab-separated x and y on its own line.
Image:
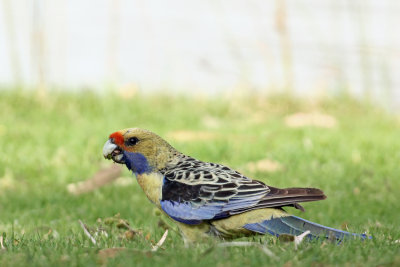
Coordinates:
51	141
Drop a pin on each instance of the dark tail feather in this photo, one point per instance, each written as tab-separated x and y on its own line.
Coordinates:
293	225
279	197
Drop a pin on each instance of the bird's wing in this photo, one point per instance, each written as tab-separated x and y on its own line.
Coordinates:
194	191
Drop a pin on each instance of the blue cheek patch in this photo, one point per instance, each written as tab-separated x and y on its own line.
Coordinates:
136	162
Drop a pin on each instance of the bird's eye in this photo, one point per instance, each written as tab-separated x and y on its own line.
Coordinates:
132	141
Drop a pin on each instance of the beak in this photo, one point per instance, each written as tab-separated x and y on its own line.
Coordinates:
112	151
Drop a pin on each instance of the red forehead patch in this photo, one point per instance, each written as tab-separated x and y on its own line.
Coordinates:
118	138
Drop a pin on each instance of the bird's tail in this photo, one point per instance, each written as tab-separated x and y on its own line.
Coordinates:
294	225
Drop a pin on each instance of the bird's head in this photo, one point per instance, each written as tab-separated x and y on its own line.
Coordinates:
140	150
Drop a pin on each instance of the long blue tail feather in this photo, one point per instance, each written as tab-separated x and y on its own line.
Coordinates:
294	225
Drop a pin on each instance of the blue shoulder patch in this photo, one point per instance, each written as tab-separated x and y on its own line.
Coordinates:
186	213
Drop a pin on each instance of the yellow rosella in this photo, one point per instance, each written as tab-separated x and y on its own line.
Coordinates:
208	199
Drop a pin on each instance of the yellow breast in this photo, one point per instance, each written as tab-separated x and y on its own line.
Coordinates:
152	186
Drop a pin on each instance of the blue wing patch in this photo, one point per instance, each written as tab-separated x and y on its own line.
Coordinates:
188	213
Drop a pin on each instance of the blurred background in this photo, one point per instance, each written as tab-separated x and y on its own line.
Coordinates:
303	47
289	92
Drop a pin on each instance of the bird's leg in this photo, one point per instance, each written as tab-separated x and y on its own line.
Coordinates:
193	233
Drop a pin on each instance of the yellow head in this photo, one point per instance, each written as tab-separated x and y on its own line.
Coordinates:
141	150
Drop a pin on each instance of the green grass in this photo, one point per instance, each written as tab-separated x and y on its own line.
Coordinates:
49	142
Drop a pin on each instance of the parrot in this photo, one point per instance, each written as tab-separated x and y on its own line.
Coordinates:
208	199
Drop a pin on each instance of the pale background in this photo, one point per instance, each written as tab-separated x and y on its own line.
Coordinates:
306	47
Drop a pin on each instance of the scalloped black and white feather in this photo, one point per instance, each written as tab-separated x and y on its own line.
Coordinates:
220	191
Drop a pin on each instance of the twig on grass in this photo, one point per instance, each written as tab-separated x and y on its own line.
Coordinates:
107	253
162	240
248	244
299	238
86	231
99	179
1	242
123	223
